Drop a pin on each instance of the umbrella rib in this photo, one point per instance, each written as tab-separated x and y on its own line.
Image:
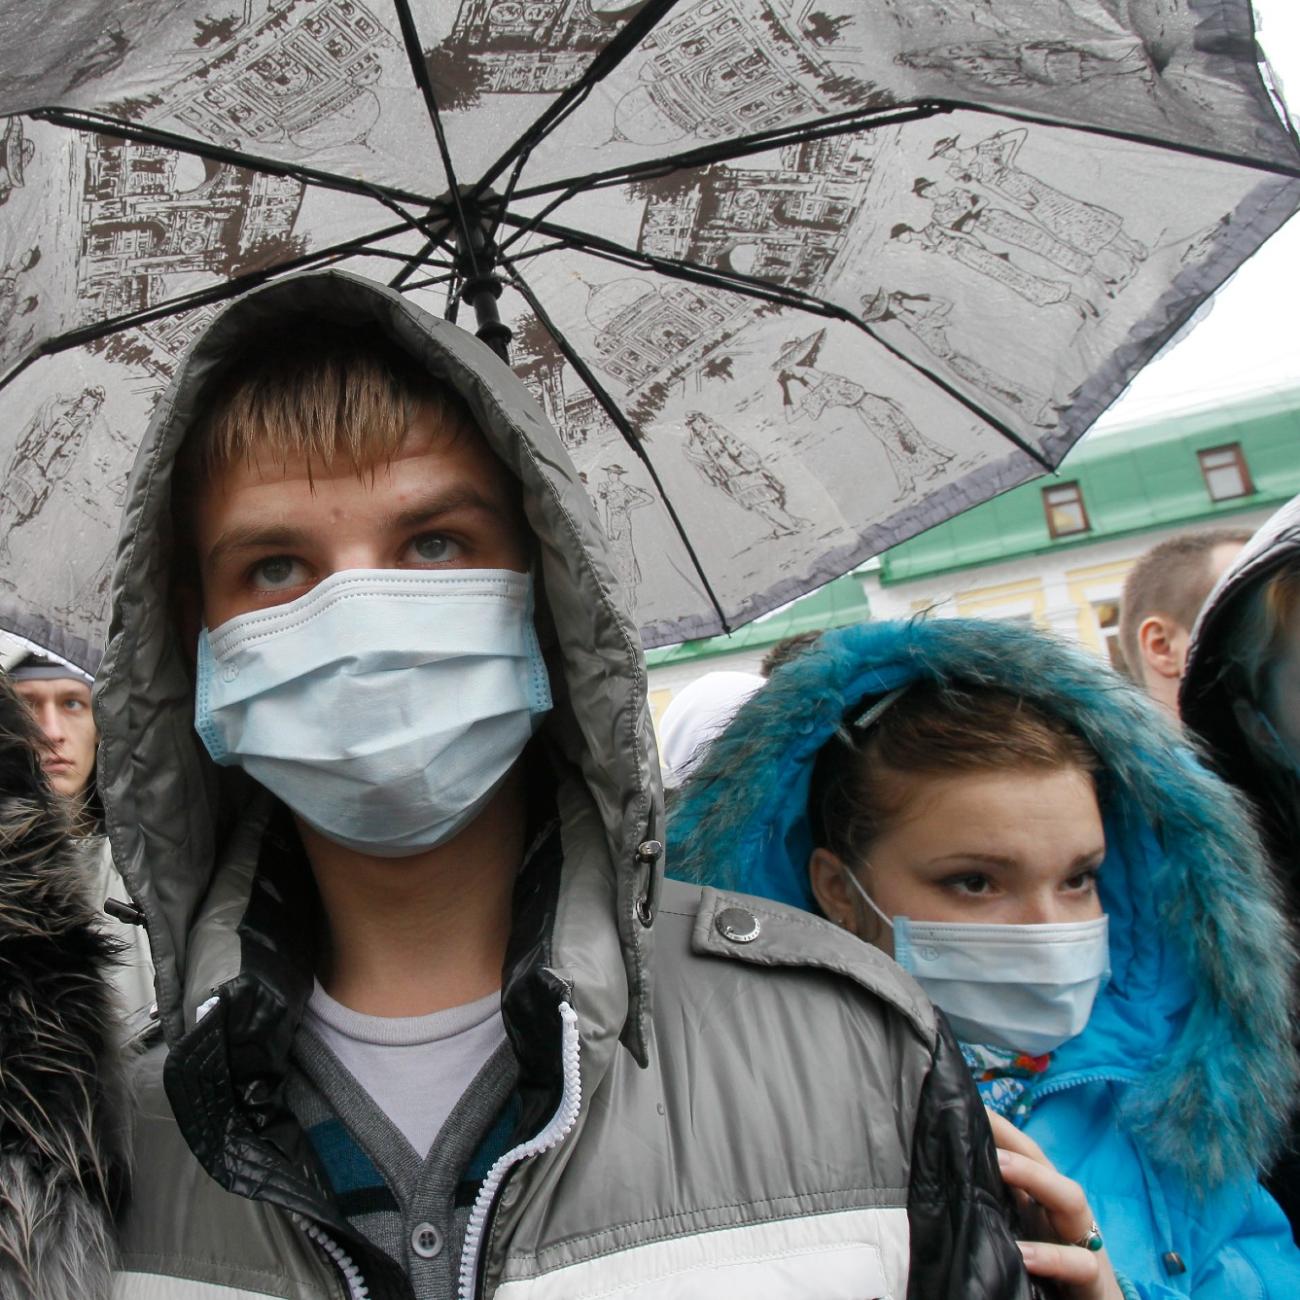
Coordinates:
620	422
744	146
797	299
629	37
413	264
199	298
420	71
102	124
1132	137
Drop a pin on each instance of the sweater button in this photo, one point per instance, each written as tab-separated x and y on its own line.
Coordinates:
737	924
426	1240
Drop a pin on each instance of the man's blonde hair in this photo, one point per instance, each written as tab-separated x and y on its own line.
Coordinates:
328	393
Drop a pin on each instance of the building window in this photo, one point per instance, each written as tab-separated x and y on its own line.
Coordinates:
1106	613
1226	473
1066	514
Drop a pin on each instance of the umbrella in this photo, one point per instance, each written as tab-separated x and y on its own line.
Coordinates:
794	279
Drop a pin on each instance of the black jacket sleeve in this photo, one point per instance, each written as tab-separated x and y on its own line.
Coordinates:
961	1213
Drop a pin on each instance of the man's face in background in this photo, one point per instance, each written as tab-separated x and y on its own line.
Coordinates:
61	707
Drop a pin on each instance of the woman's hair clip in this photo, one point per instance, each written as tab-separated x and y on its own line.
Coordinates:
876	710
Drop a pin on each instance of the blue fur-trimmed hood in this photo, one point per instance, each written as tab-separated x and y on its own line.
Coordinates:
1197	1012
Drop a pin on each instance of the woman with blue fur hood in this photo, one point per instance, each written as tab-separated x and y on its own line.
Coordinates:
1090	907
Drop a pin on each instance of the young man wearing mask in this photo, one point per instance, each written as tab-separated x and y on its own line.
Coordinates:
434	1024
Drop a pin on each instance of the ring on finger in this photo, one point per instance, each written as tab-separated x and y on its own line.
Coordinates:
1091	1240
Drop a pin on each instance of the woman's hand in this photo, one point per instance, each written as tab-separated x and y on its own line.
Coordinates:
1058	1211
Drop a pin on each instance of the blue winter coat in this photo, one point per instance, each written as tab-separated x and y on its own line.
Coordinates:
1175	1094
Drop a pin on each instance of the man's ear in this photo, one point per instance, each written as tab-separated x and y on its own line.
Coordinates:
826	876
1160	642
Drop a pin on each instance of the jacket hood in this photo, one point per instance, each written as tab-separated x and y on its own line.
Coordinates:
1196	1014
1205	697
164	803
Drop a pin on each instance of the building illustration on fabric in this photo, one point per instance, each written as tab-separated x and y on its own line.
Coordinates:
807	392
572	410
787	224
137	228
644	331
723	68
521	47
739	473
302	75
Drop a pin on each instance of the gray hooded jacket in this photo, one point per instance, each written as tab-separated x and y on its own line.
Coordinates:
719	1095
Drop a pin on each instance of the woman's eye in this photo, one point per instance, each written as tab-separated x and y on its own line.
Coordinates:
1083	883
435	548
973	884
276	571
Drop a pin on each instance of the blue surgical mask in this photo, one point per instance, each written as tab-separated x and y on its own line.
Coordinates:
1029	988
385	707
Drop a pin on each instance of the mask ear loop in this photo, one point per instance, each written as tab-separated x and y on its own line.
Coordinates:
861	724
866	898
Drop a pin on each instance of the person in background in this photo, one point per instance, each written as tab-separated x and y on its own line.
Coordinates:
696	714
1089	907
1241	700
59	697
62	1163
1163	593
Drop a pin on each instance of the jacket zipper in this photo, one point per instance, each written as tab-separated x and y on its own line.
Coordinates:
355	1283
1078	1077
560	1126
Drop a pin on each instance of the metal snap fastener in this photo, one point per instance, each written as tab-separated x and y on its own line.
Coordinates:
426	1240
737	924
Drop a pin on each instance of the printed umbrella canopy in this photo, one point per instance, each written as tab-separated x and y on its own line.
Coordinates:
794	278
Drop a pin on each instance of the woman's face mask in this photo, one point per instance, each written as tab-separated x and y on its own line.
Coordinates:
1028	988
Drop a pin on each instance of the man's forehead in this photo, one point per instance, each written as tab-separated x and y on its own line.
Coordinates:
429	449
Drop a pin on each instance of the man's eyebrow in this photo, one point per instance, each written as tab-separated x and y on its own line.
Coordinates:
245	537
445	502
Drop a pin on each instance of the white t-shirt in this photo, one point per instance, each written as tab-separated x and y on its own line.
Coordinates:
415	1068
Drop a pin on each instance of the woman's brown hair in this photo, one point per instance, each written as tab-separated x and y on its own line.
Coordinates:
862	780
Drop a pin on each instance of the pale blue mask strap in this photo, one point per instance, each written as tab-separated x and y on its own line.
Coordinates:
866	898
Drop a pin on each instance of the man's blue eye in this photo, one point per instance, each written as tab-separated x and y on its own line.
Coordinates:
434	548
276	571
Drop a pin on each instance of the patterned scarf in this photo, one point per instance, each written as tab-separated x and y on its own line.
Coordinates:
1003	1076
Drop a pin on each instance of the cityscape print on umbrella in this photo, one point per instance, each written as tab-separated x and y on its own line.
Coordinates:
808	392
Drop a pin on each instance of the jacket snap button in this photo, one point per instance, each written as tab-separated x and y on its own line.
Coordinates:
738	925
426	1240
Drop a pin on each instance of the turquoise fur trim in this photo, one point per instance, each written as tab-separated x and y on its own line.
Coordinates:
1198	1009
